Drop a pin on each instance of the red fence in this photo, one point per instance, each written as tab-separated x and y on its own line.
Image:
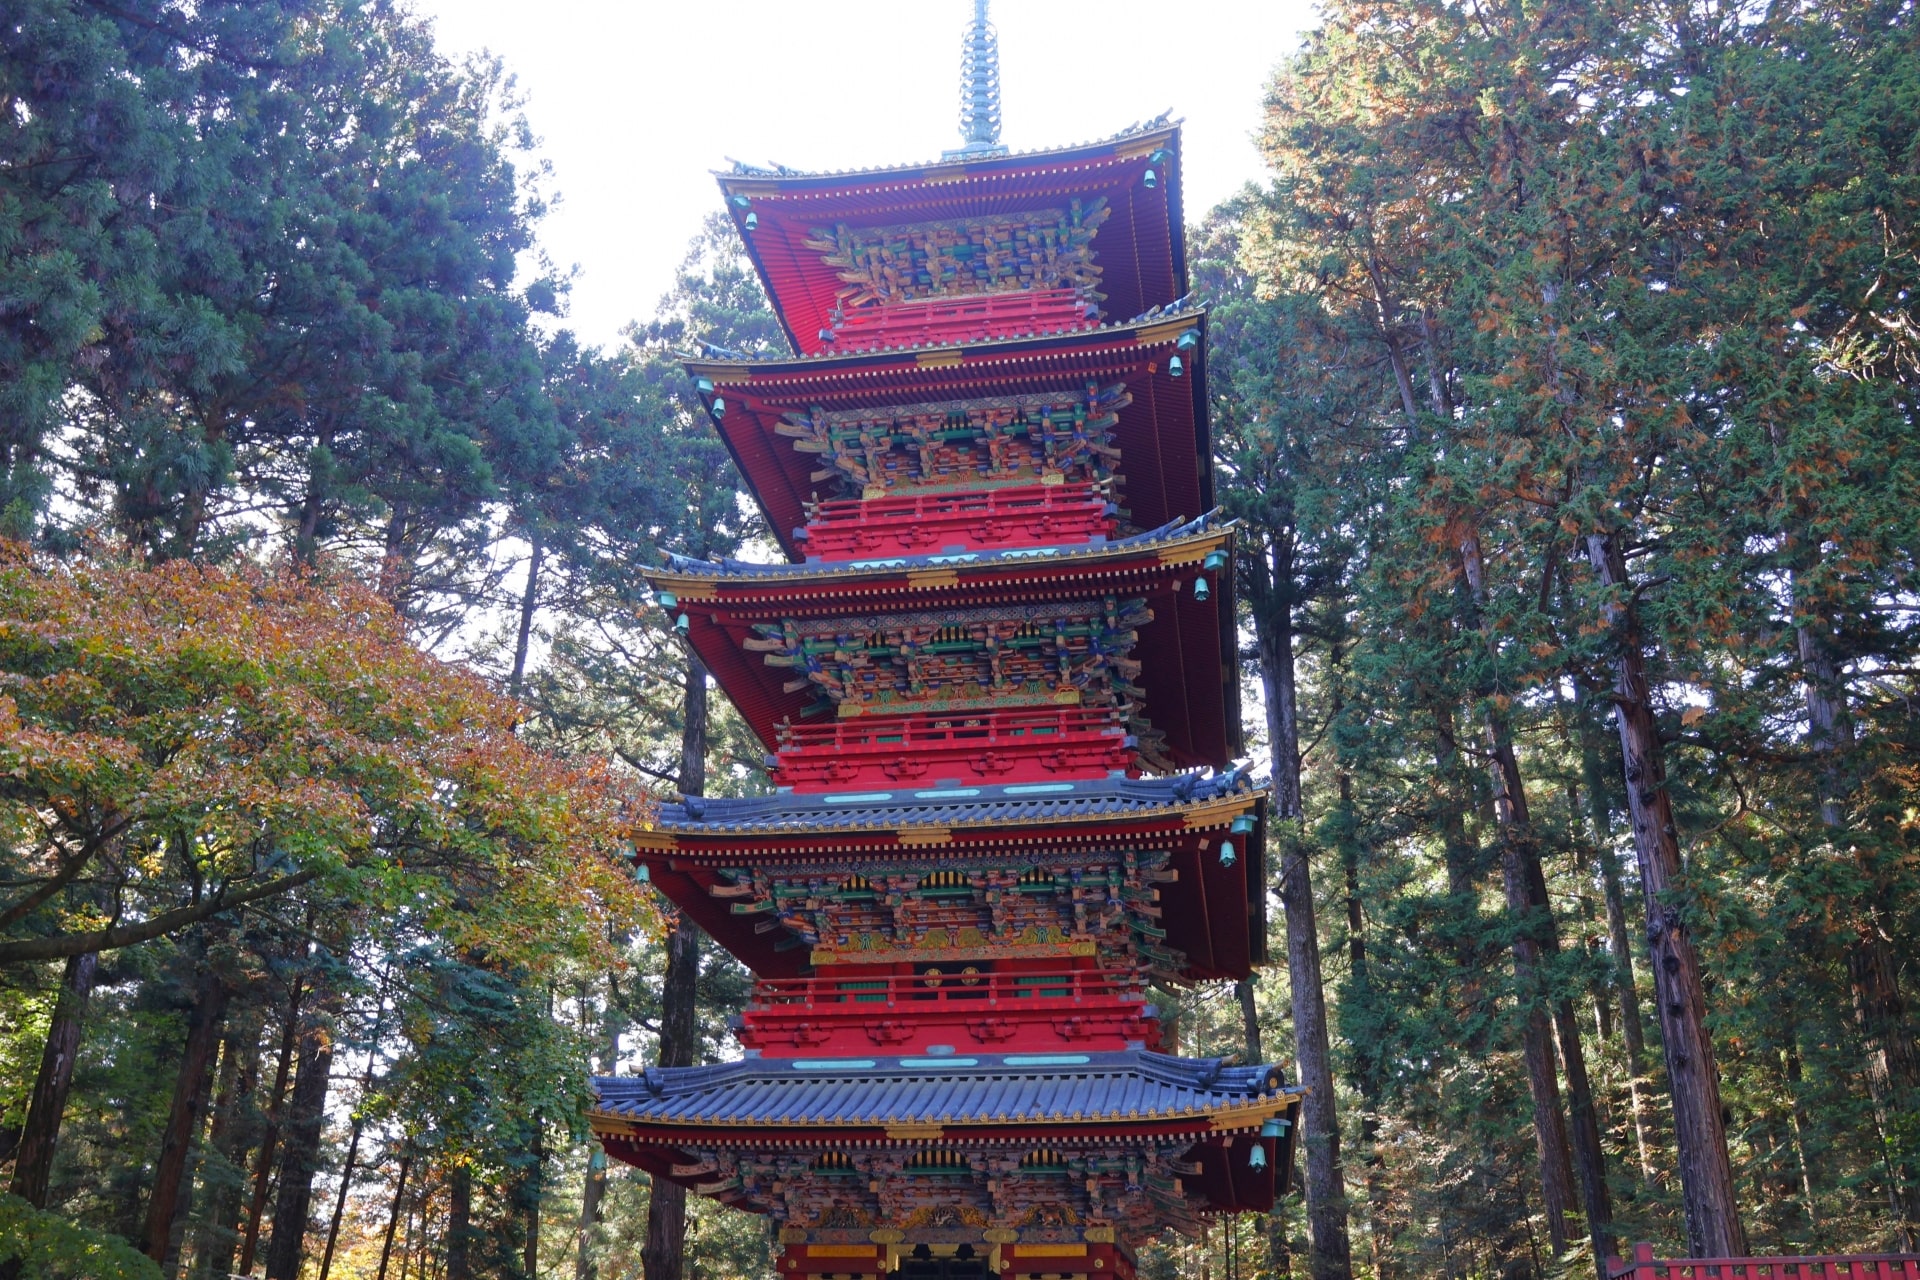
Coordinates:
1041	1011
1858	1266
970	318
819	995
914	524
995	746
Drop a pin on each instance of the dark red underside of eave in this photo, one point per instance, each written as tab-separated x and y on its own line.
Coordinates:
1226	1181
1162	434
1216	915
1139	248
1187	661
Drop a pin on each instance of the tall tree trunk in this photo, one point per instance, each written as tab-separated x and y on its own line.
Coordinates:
1619	941
593	1193
1706	1174
1249	1019
1892	1062
392	583
263	1164
1549	1123
1790	1069
33	1163
1279	1260
1367	1074
1279	1251
228	1139
306	536
532	1189
184	1118
1537	937
353	1140
300	1151
529	605
340	1199
393	1215
662	1255
406	1236
1456	845
1331	1256
460	1223
183	1201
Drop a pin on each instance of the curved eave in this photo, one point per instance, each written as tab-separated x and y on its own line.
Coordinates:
706	581
663	1119
1166	454
1186	651
1094	1090
1215	915
761	1133
1141	249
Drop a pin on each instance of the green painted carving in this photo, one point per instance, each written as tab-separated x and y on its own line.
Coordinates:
1034	249
945	446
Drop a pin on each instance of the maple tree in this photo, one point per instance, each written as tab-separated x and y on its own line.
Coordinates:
184	741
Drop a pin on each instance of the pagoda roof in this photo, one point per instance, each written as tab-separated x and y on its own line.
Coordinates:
1134	1088
1162	435
1140	248
1215	913
682	569
1184	650
1001	806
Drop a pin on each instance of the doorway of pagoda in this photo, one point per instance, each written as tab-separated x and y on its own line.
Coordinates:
925	1267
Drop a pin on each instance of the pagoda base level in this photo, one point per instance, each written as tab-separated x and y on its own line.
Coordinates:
955	1260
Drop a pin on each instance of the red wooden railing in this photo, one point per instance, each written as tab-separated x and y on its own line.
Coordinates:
974	318
915	524
1859	1266
1038	745
988	990
1037	1011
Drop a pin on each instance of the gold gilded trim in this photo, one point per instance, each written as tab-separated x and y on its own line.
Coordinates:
1194	550
1219	812
1154	335
653	840
1145	145
1251	1115
946	358
899	955
913	1132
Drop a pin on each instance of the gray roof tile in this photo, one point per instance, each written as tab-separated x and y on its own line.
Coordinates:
1134	1083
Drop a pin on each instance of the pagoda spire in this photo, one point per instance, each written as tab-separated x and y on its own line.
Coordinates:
979	89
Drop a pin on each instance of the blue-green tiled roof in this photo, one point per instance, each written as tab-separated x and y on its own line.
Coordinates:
943	805
982	1088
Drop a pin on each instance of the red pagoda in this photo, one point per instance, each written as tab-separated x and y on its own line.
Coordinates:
997	678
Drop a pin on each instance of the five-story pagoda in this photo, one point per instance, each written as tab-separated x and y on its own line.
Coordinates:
998	682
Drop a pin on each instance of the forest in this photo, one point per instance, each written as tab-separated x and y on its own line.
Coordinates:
1564	368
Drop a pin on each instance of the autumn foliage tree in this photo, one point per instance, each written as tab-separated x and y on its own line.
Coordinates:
196	754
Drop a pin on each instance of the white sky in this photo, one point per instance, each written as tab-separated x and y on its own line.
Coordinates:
636	100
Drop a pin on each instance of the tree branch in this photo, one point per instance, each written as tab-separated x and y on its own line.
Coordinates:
69	869
62	945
